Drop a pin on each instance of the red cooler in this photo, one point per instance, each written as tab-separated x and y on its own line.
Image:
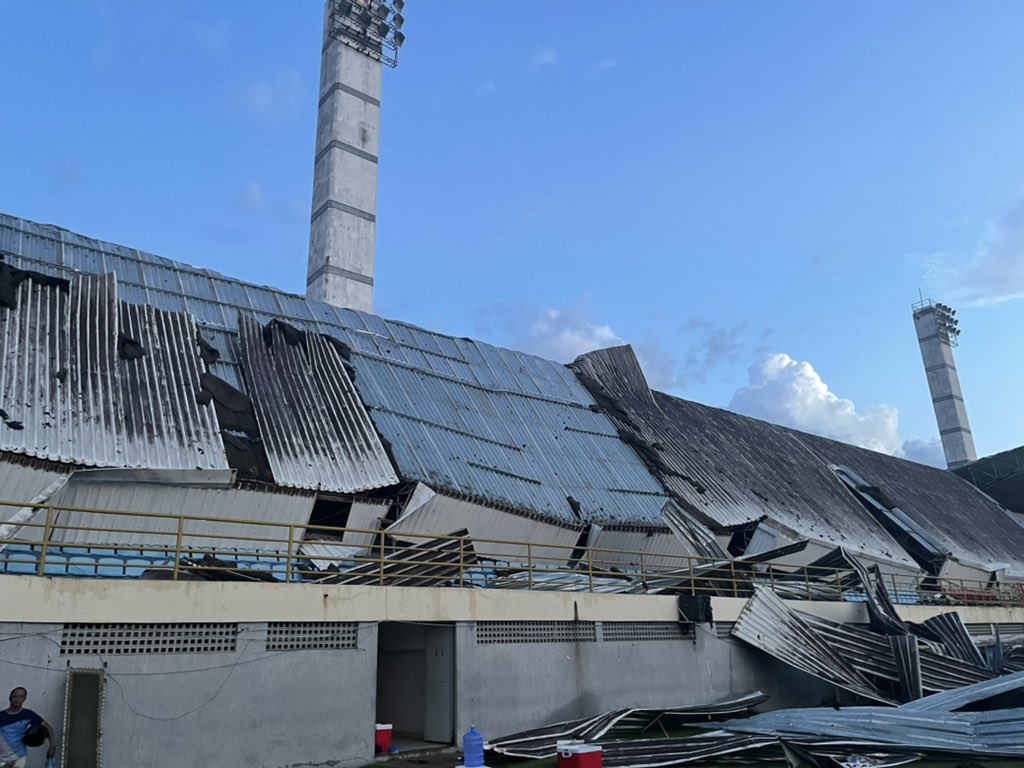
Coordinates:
382	740
579	756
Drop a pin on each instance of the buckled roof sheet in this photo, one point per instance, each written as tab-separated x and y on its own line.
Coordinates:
485	422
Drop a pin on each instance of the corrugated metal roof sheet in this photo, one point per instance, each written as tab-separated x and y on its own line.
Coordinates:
315	430
766	622
22	480
730	469
968	524
460	415
78	401
263	514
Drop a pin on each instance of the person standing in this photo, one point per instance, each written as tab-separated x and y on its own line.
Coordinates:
15	722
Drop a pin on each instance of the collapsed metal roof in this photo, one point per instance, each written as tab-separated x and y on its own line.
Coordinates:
315	430
477	420
730	469
972	528
90	380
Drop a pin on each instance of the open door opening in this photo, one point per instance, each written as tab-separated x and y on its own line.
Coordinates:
416	684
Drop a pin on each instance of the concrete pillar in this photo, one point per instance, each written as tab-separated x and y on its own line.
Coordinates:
343	227
944	384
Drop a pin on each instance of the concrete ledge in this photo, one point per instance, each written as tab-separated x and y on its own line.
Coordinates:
34	599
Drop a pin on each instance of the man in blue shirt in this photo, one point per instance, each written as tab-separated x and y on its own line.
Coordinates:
15	722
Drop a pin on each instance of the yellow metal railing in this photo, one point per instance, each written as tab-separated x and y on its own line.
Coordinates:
49	540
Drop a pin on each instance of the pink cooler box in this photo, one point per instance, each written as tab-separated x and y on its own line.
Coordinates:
579	756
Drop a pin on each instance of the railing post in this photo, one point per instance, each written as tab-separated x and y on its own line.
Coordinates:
380	560
177	547
47	529
590	568
288	560
643	573
529	565
693	575
732	574
462	561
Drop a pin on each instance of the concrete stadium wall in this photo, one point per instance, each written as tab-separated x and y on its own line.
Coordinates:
506	687
245	709
255	708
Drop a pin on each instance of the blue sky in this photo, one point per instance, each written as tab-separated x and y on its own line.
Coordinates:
750	193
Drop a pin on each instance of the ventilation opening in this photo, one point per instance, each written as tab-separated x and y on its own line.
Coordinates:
513	632
309	636
126	639
641	631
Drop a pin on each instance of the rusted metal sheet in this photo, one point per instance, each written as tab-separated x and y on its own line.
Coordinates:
316	431
74	393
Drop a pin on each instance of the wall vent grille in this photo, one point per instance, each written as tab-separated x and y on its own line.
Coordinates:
639	631
494	632
723	629
126	639
312	635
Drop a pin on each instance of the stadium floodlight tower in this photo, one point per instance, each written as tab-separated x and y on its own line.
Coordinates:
937	334
360	36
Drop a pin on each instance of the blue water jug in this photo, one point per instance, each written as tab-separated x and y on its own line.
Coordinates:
473	749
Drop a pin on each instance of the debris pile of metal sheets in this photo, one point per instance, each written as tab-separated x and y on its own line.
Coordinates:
893	661
542	742
433	563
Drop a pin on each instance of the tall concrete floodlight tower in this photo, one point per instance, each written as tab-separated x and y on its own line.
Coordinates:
360	36
937	334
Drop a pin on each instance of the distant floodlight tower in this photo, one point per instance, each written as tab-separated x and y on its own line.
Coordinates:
937	334
359	36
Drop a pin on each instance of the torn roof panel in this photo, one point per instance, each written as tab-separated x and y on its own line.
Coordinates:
315	430
730	469
80	399
489	423
972	527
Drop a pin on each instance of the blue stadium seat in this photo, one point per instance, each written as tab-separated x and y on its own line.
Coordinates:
110	566
20	562
56	564
81	565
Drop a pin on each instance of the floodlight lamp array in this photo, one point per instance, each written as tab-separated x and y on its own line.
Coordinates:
373	27
946	324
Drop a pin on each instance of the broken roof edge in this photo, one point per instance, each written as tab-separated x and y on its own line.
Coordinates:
62	236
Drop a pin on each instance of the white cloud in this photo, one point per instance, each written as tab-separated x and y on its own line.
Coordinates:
564	334
275	97
995	273
604	64
924	451
791	393
544	57
554	334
